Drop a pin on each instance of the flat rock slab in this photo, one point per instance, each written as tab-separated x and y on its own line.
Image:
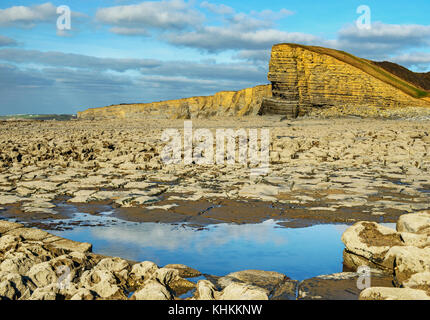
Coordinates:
66	246
184	271
6	226
415	223
378	293
342	286
264	279
286	290
29	234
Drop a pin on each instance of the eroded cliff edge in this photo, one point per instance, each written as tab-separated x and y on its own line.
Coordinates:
303	79
226	103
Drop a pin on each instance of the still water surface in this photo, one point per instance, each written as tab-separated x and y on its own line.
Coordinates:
219	249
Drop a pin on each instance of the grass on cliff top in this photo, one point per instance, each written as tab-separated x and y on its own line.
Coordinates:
370	68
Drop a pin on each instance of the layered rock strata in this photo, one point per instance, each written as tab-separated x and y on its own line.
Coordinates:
303	78
226	103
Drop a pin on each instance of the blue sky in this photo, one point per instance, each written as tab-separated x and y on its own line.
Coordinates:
120	51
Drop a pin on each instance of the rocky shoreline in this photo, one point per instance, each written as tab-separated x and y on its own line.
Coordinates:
403	253
334	171
35	265
321	171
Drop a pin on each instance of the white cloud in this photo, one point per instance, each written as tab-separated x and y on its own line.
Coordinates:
129	31
215	39
382	39
164	15
418	60
220	9
27	16
261	55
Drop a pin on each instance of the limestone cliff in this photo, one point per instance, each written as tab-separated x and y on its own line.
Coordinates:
226	103
305	77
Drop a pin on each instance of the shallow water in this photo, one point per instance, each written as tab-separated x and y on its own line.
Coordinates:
218	249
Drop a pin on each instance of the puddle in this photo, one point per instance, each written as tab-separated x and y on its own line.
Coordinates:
299	253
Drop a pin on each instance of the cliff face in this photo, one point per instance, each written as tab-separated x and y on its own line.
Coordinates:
226	103
303	78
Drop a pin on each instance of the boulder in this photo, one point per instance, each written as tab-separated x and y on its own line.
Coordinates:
377	293
419	281
415	223
370	242
142	271
205	290
171	279
104	283
114	265
43	274
242	291
415	239
408	261
152	290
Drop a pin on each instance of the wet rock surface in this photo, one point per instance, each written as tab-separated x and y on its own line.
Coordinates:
321	171
337	170
36	265
342	286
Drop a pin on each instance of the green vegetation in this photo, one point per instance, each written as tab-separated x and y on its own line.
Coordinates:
370	68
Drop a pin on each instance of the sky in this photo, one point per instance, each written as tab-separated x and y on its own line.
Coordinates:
119	51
